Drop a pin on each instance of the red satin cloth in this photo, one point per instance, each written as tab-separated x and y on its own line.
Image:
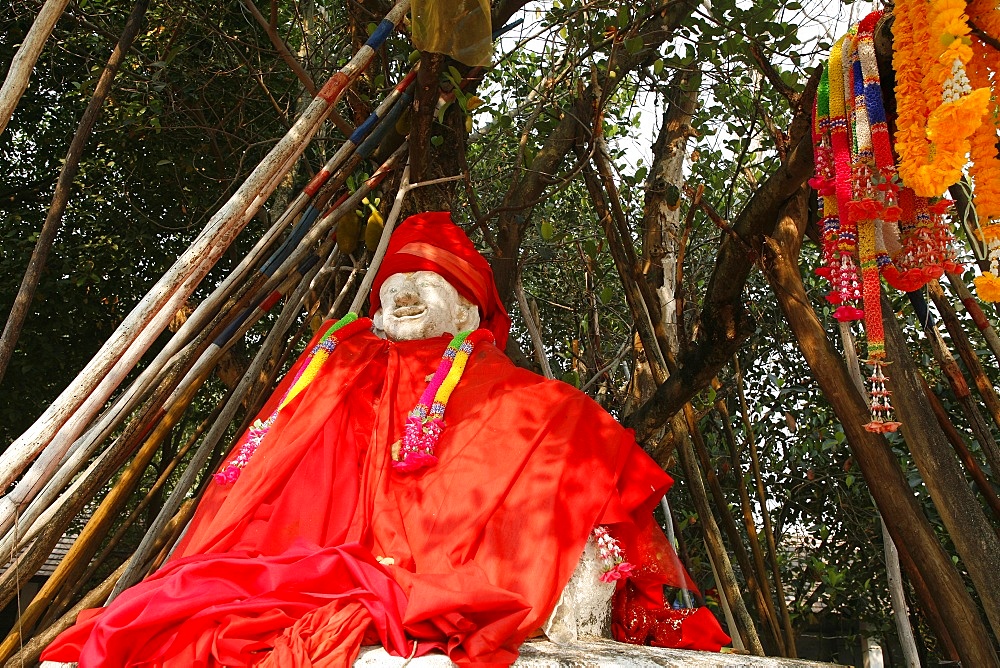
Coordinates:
280	568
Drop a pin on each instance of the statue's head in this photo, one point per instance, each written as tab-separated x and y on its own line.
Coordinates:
422	305
433	281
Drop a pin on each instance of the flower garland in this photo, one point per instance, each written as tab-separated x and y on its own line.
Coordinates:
937	109
985	170
425	422
985	15
848	287
343	329
612	558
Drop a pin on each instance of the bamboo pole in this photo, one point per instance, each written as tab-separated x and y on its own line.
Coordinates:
533	330
67	174
72	587
67	416
32	649
96	529
972	307
961	343
133	572
365	140
765	607
713	538
949	367
971	465
772	546
782	641
27	55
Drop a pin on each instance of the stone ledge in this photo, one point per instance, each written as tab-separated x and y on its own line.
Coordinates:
595	653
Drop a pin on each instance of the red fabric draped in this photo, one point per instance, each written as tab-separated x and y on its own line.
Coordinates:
481	544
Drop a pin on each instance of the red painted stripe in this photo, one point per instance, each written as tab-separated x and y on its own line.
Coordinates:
407	80
977	314
317	182
333	88
271	300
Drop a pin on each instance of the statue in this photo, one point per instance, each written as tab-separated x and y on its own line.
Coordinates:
417	491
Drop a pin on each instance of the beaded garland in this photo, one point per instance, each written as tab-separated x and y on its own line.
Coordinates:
344	328
425	423
848	287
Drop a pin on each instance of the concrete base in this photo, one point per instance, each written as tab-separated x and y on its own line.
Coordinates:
585	653
582	653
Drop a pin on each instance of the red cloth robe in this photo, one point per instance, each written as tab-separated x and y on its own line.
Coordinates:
280	567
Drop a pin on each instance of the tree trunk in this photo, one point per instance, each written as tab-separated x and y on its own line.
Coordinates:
661	212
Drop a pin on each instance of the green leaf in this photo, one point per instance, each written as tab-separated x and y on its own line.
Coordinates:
606	294
437	140
634	45
658	66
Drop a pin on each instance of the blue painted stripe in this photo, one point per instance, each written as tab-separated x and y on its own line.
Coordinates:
381	33
362	130
387	123
307	264
308	218
231	328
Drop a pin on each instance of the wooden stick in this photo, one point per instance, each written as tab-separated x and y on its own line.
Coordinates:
951	371
713	538
24	60
960	341
536	335
972	307
32	649
67	416
95	530
765	608
772	546
134	570
971	465
67	174
750	526
383	242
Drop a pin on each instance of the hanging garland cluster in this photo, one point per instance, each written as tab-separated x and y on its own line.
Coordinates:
947	110
881	211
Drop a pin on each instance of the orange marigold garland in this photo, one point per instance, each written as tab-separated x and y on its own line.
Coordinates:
985	169
937	109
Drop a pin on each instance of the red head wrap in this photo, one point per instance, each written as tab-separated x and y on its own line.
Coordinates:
432	242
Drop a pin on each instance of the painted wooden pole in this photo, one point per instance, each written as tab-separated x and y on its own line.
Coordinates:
69	414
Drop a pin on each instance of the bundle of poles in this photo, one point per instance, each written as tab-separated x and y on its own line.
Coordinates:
61	464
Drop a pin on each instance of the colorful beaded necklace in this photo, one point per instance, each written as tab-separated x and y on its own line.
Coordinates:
424	424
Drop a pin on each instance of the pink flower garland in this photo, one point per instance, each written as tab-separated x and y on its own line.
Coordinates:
609	551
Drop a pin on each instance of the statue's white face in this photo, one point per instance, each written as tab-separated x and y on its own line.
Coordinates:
422	305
